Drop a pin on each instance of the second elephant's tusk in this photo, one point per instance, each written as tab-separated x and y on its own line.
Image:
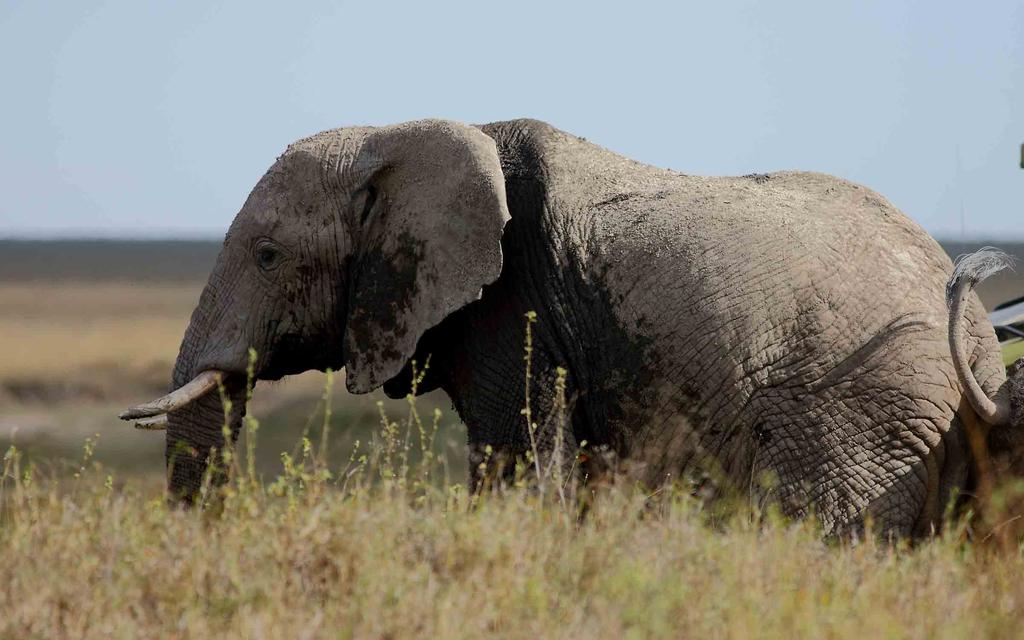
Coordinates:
196	388
156	423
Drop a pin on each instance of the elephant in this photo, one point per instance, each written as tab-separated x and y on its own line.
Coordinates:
713	331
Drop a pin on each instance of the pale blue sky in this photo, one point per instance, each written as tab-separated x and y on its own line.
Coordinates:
131	118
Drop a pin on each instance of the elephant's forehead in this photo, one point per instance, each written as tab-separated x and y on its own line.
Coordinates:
331	153
317	143
288	192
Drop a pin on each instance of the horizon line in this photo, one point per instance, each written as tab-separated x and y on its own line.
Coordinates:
994	237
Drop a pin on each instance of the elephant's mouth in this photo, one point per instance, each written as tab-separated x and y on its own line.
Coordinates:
293	354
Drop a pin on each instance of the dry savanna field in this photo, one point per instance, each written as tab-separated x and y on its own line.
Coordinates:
340	524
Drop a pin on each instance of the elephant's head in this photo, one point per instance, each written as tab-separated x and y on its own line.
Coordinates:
353	244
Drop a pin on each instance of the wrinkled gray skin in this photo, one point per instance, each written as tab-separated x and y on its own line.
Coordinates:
715	329
1007	441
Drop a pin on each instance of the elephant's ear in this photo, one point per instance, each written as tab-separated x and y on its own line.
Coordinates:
430	240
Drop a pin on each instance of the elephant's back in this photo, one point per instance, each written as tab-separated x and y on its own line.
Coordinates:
848	272
803	272
780	242
812	214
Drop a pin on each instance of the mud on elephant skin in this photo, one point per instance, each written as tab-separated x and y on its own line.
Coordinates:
787	324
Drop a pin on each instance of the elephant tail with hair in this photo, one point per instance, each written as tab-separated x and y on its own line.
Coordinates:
971	269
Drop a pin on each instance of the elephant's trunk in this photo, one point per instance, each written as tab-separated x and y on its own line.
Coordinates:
196	428
195	437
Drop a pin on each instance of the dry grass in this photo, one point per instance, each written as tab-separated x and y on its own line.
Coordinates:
307	557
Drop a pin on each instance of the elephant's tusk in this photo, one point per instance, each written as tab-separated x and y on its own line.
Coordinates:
156	423
197	388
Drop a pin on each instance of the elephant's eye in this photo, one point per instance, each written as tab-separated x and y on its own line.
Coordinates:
267	256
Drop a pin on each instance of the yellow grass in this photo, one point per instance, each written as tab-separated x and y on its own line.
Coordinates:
350	558
1012	351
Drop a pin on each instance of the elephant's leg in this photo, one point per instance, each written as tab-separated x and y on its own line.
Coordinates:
958	473
864	451
1007	443
489	390
554	464
491	465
